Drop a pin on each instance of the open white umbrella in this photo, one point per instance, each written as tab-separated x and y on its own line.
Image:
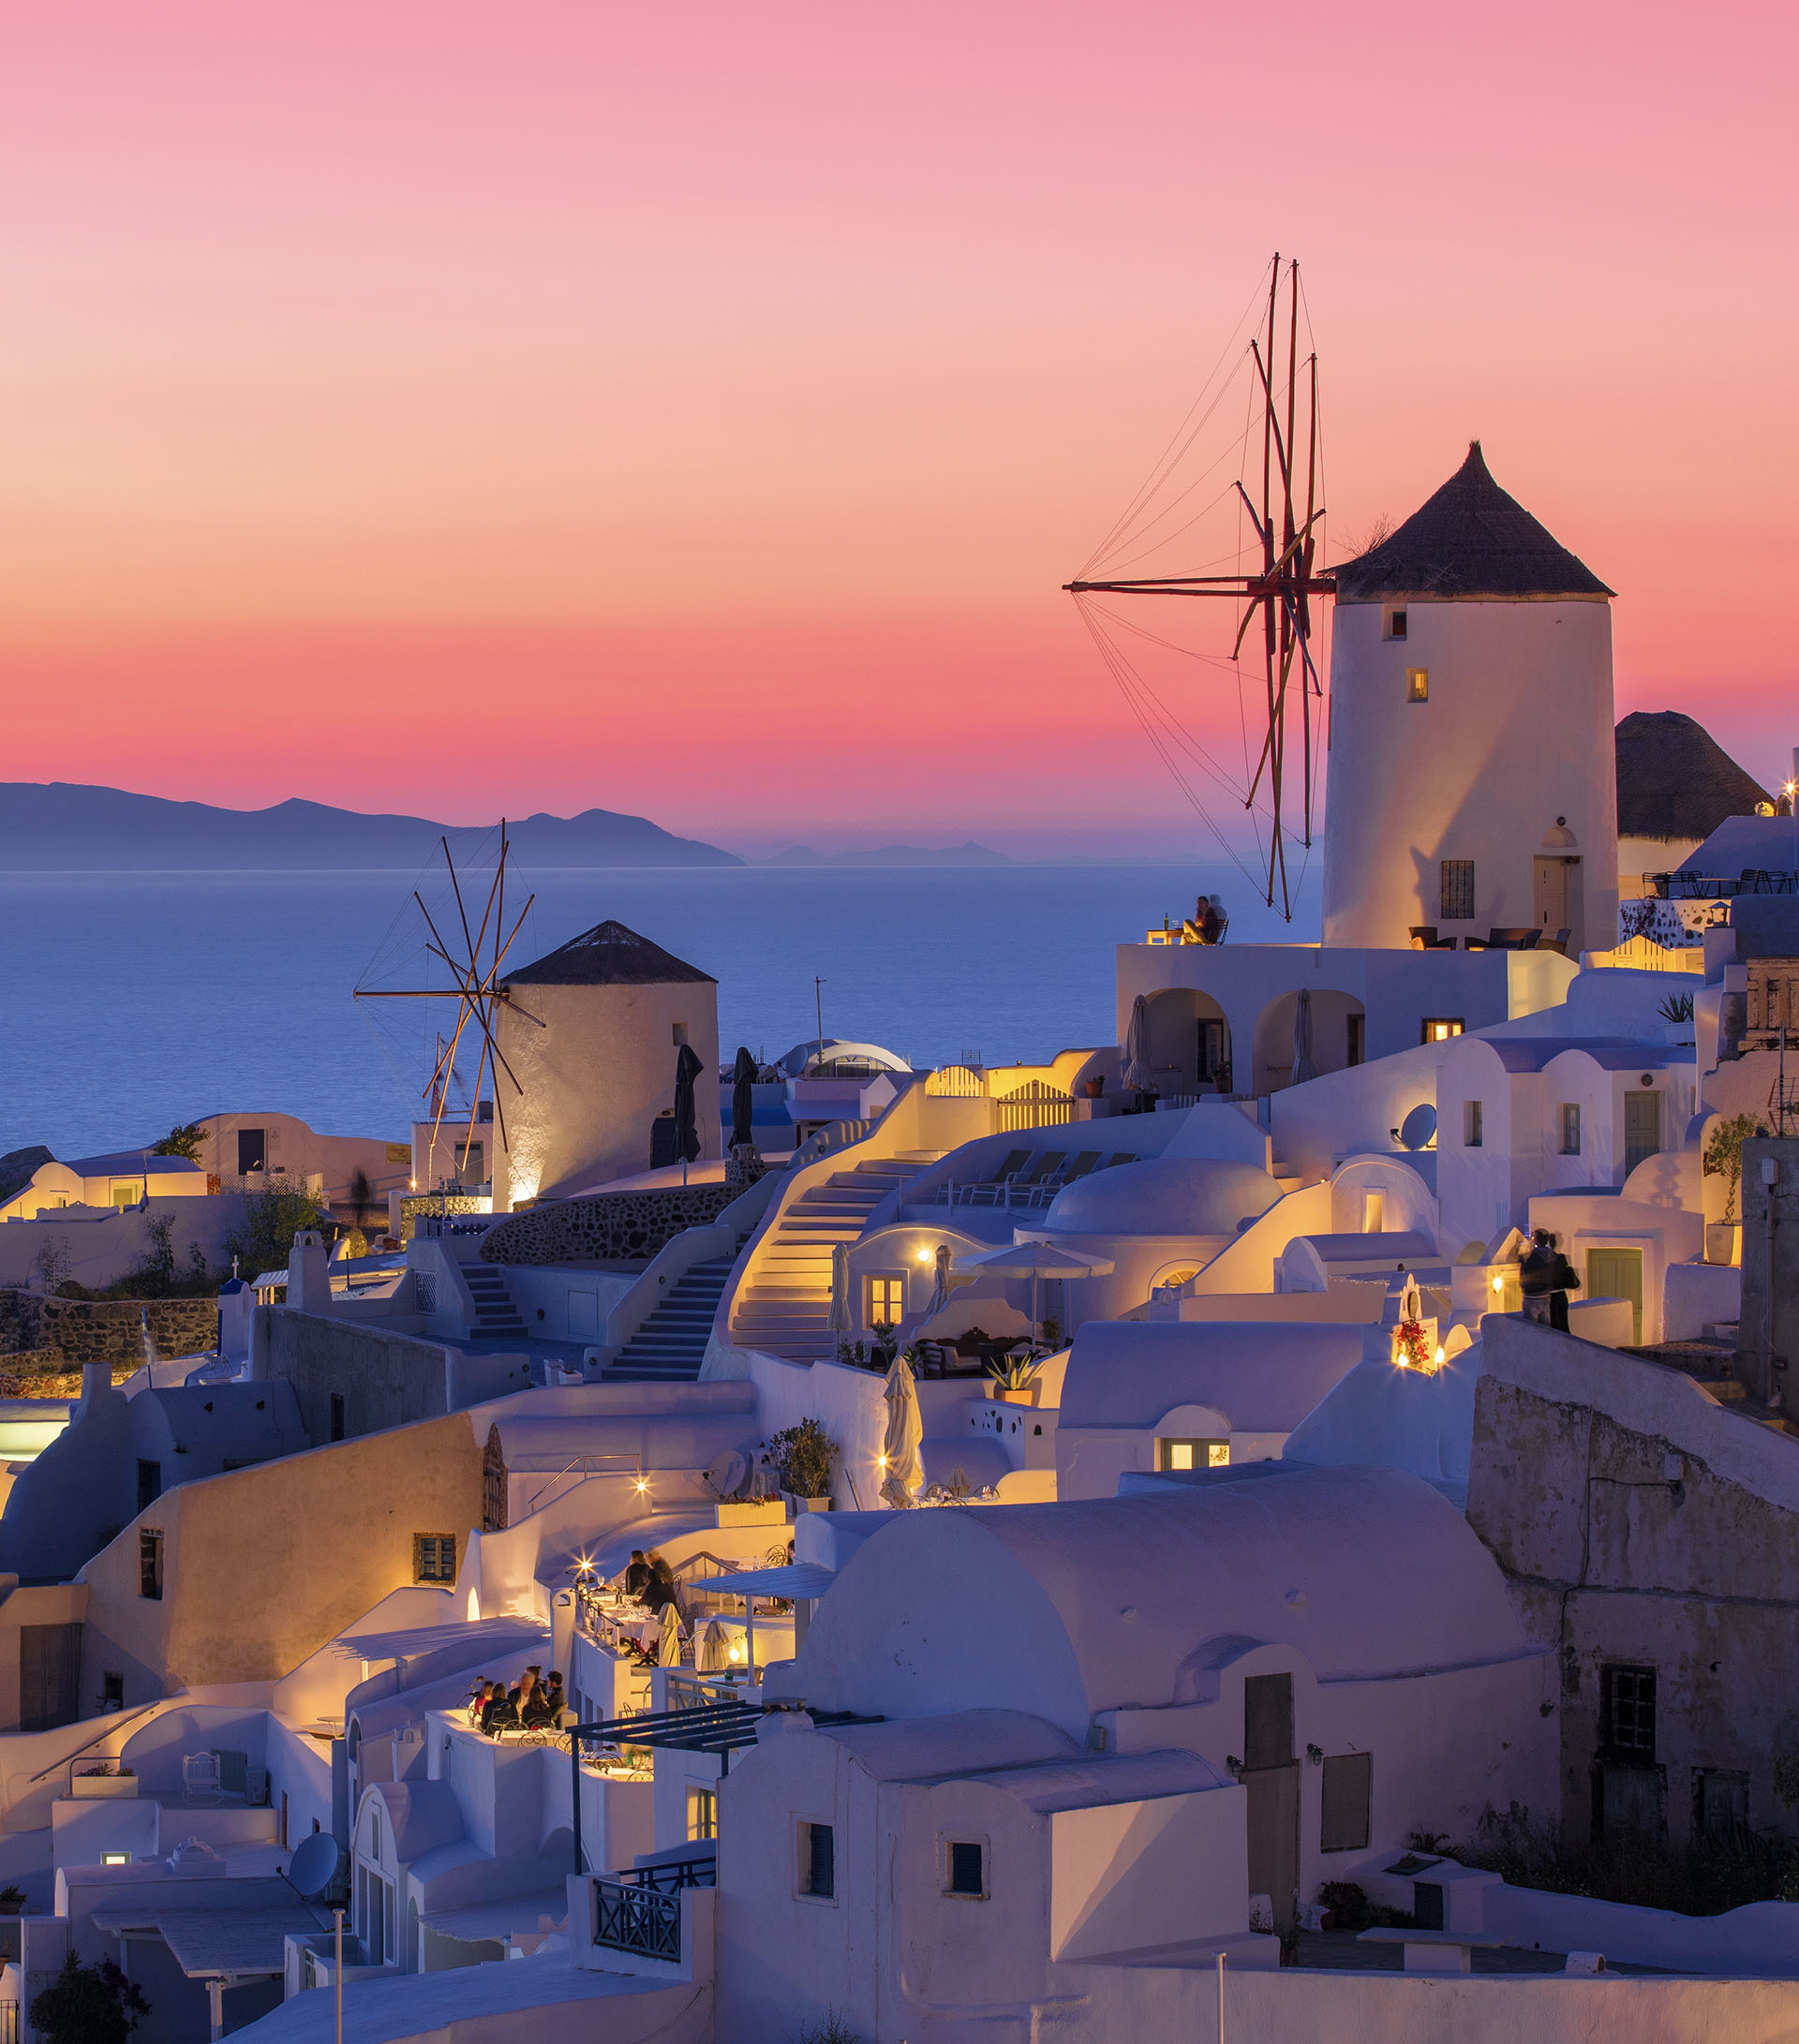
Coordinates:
1037	1261
901	1472
1303	1068
668	1646
841	1289
1138	1076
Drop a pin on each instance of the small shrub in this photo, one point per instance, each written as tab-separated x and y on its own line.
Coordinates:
12	1901
88	2005
803	1456
834	2029
182	1140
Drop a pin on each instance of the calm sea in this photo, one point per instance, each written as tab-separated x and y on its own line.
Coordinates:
130	1001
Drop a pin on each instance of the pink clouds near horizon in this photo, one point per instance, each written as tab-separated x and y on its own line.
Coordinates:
457	408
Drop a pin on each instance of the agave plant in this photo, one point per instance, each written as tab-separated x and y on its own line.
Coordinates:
1015	1373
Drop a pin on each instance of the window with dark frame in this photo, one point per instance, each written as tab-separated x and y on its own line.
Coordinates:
817	1861
1474	1119
1455	888
1438	1028
1396	622
967	1867
1628	1712
702	1812
1418	685
150	1562
433	1558
1570	1129
337	1416
1346	1800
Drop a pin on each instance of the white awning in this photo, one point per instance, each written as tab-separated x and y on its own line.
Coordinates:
799	1580
480	1636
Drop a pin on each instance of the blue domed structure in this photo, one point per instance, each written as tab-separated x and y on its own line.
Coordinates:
1164	1196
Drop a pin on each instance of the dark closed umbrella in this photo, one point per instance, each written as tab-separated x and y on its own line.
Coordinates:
743	1077
687	1135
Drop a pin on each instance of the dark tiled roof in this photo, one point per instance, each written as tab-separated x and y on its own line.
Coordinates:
1674	781
1471	539
609	955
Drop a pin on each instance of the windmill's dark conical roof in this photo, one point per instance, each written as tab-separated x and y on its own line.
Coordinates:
1676	780
608	955
1471	539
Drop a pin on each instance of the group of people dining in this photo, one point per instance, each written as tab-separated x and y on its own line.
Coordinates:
529	1704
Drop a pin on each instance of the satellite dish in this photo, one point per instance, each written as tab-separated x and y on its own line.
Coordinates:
1418	1127
314	1863
727	1473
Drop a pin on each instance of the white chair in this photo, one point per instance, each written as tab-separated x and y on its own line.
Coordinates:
199	1777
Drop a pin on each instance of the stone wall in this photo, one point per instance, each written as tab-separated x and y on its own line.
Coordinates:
1643	1527
384	1380
609	1228
47	1373
106	1330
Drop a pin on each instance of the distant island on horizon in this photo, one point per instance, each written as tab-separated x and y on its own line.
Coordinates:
966	854
63	826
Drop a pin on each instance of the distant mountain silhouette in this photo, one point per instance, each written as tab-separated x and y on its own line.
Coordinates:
968	854
56	826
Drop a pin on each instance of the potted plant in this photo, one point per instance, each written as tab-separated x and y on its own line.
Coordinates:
803	1456
1723	1159
1014	1380
1095	1089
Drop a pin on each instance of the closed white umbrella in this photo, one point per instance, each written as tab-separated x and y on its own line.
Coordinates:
714	1649
1138	1076
1303	1067
668	1649
901	1470
1037	1261
841	1289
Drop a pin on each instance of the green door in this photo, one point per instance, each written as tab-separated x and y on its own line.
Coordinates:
1618	1273
1641	1128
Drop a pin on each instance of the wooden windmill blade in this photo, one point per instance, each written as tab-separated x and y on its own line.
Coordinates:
474	967
1284	516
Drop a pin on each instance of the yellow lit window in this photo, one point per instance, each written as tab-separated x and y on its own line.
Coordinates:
1418	685
702	1812
1178	1455
886	1302
1438	1028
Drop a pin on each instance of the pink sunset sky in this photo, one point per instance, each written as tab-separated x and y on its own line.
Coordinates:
693	411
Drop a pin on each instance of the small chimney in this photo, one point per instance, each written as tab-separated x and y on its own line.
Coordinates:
97	1381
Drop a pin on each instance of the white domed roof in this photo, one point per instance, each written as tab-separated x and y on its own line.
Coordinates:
1165	1195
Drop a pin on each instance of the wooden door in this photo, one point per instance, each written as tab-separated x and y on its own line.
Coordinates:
50	1673
1551	895
1272	1777
1618	1273
1642	1126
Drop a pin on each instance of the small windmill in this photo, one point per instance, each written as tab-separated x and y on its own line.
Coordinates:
475	968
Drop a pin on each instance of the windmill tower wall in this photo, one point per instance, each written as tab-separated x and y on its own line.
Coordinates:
1471	770
615	1010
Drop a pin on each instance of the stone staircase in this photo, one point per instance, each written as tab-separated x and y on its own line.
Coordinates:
496	1316
670	1345
785	1310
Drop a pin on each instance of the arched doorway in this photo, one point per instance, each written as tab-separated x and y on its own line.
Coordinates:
1189	1042
1338	1023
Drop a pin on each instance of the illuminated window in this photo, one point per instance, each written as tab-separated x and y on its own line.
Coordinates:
1455	885
126	1194
1570	1129
1438	1028
1191	1454
886	1302
702	1812
115	1858
1473	1123
1418	685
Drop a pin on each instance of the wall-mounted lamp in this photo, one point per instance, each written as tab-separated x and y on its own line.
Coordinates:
1316	1756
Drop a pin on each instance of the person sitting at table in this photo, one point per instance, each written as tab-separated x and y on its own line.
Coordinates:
478	1702
637	1575
497	1712
660	1589
534	1707
554	1697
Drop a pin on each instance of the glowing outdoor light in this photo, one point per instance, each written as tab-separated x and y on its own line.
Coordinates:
924	1255
1498	1283
1439	1355
643	1485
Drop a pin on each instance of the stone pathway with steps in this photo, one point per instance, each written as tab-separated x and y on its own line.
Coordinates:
786	1310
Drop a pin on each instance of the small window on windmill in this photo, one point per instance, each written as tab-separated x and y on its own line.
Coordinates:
1418	685
1396	621
680	1034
